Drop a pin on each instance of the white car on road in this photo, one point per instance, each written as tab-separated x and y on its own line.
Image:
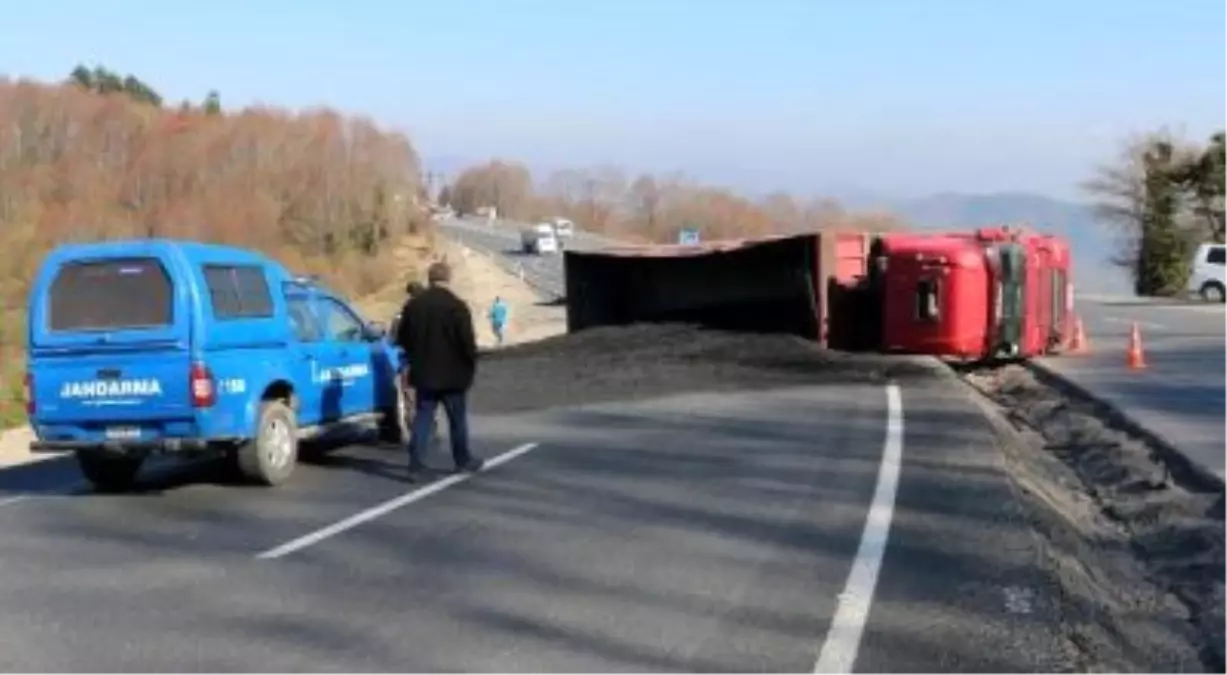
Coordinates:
1207	278
563	227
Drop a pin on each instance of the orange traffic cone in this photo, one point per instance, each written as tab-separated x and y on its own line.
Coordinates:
1134	358
1079	345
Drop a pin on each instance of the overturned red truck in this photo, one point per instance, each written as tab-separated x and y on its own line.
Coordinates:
993	293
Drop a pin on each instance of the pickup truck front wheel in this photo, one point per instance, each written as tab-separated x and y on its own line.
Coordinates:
109	474
271	456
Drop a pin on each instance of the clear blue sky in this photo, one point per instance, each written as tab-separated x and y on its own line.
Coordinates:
818	96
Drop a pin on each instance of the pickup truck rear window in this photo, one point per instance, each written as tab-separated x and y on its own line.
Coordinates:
112	294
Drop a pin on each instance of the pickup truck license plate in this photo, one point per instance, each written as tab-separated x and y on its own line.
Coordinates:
123	433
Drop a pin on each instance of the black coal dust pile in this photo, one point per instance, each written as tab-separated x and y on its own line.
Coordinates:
649	360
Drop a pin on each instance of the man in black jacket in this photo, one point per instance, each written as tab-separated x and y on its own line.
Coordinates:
436	335
412	290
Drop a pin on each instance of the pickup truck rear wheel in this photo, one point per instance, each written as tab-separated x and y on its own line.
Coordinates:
109	474
271	456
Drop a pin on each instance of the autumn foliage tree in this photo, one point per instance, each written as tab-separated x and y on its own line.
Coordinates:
506	186
86	161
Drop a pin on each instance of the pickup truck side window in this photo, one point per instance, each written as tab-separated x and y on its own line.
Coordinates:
238	292
302	322
1215	256
110	294
340	324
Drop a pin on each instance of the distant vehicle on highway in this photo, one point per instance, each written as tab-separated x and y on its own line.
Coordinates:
539	239
1207	277
163	346
564	228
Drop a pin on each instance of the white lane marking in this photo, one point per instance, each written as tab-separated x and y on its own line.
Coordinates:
57	492
843	640
1149	325
388	506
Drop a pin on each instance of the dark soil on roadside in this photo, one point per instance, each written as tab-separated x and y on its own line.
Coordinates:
650	360
1138	551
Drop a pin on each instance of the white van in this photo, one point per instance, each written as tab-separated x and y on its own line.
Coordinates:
1207	278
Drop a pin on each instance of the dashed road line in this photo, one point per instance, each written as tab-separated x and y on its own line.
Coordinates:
843	639
7	501
387	507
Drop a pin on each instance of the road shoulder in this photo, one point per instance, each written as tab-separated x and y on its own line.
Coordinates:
961	589
1147	407
1136	548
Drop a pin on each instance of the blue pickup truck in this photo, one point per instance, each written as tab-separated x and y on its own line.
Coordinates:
164	346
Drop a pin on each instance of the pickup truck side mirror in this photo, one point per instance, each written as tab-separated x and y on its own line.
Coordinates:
376	330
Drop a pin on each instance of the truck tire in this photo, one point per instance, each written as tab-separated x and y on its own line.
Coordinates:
394	422
1212	291
109	474
271	456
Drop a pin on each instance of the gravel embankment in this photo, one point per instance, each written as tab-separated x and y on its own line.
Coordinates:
649	360
1138	551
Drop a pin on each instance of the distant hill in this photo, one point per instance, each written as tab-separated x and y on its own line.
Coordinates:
1093	244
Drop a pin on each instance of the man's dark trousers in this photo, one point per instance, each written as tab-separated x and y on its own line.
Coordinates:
454	402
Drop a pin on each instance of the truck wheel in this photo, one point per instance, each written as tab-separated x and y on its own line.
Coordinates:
394	422
109	474
1212	292
271	456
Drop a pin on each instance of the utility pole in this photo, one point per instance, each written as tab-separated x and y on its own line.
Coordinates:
430	186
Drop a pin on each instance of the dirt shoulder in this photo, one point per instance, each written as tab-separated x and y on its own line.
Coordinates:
478	280
15	447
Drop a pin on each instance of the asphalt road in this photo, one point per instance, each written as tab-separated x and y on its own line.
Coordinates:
1180	395
728	532
501	239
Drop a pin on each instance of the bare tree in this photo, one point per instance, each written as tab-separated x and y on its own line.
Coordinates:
1119	197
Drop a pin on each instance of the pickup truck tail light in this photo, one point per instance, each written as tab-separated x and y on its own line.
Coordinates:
27	393
204	390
